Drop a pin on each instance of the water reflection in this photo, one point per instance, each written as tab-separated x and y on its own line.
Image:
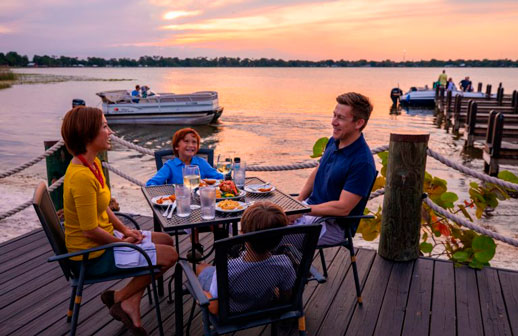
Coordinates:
423	111
395	110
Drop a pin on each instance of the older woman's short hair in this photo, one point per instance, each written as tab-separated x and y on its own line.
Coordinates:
263	216
80	127
181	134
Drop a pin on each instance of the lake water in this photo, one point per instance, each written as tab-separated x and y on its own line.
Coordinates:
272	116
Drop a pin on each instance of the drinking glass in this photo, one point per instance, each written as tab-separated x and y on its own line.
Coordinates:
224	166
240	175
208	202
191	179
183	200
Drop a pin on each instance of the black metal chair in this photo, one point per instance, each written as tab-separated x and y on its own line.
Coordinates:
163	155
350	225
280	298
53	229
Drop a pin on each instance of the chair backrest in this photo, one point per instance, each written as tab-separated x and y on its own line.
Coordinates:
50	222
359	209
163	155
261	274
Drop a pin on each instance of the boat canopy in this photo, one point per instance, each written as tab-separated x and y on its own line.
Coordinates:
114	96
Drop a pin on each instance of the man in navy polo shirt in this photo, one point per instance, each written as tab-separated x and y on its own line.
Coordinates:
345	172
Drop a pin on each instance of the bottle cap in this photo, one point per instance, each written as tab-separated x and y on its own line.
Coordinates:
237	160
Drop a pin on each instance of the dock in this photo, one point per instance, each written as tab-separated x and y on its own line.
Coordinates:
422	297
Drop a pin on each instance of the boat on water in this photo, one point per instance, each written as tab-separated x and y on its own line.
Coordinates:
426	97
198	108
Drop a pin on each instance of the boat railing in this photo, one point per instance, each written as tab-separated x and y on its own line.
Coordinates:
300	165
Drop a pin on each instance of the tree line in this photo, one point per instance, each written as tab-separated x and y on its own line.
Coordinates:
13	59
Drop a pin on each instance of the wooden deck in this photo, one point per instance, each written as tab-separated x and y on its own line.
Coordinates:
425	297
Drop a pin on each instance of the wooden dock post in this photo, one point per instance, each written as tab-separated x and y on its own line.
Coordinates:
57	164
488	91
401	217
479	88
514	99
500	95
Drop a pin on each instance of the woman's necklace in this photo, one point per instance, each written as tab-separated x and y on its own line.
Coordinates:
96	171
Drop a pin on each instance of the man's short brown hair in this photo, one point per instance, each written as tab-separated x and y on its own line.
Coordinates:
263	216
80	127
360	105
180	135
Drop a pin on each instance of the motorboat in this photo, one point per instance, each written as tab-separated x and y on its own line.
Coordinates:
198	108
426	97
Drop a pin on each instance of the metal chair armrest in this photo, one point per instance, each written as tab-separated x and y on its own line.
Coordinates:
128	217
102	247
194	283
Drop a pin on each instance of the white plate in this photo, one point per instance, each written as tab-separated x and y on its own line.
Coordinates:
165	203
253	188
242	204
215	184
242	194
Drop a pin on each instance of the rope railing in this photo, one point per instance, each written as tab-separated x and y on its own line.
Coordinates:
470	225
471	172
122	174
128	144
37	159
22	206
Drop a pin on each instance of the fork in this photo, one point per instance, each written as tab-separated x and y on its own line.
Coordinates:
166	210
173	206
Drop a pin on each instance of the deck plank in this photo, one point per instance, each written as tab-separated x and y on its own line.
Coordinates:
392	314
469	317
443	300
417	316
364	316
494	314
509	282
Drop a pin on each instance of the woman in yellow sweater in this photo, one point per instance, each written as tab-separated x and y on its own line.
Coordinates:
89	222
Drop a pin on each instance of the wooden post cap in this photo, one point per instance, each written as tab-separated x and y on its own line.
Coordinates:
409	137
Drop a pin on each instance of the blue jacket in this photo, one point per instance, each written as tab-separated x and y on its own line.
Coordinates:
171	172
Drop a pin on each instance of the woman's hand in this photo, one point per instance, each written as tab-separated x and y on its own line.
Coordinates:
132	236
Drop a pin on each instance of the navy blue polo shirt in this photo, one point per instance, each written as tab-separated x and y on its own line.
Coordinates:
351	168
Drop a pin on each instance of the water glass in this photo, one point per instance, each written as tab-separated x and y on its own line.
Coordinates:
239	175
208	202
183	201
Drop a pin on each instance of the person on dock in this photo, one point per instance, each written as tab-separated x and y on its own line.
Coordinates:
136	93
89	222
273	275
450	86
185	143
345	172
443	79
466	85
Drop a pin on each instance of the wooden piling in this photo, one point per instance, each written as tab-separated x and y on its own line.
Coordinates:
57	164
488	91
401	217
500	95
514	99
479	88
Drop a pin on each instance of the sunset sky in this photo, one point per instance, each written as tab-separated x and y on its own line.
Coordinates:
289	29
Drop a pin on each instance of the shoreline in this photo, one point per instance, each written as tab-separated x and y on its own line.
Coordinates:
33	78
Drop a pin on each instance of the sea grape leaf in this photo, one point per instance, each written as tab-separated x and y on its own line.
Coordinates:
384	157
461	256
426	247
379	183
508	176
473	185
448	198
319	147
425	236
476	264
484	248
466	214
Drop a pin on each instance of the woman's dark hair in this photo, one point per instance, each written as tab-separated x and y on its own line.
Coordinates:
263	216
80	127
180	135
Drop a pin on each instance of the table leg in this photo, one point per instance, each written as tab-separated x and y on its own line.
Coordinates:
160	279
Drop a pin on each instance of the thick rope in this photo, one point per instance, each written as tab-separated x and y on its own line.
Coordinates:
470	225
122	174
377	193
48	152
472	172
20	207
128	144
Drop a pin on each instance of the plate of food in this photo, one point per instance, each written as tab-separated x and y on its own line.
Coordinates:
163	200
209	182
264	188
227	190
230	206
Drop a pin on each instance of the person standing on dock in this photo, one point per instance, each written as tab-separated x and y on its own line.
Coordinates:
89	222
345	172
443	79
